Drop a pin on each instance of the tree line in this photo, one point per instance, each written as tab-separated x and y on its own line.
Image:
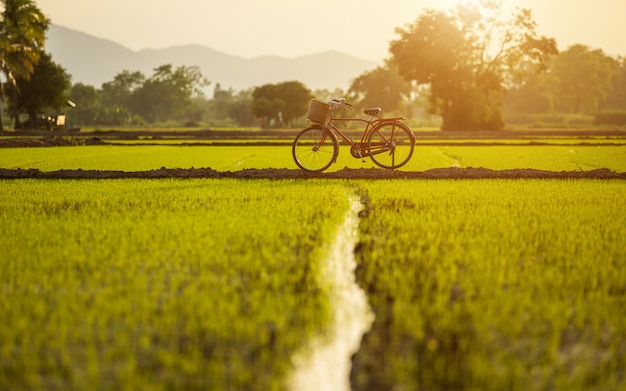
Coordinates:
473	66
579	80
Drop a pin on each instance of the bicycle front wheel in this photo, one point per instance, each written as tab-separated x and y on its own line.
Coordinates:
391	144
315	149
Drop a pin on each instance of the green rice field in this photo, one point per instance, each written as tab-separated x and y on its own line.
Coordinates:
514	284
171	284
494	285
233	158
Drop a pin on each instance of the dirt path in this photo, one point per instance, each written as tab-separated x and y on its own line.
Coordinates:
346	173
325	365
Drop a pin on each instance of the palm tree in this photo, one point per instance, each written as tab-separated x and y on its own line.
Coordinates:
22	36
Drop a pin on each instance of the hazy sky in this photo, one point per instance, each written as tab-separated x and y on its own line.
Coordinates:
291	28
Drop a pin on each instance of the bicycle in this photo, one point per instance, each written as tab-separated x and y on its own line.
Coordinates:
387	141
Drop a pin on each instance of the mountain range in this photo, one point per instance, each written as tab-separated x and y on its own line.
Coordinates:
93	61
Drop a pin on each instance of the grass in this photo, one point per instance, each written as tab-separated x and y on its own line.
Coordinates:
212	284
165	284
491	285
554	158
233	158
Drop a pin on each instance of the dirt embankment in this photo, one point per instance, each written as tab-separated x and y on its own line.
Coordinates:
346	173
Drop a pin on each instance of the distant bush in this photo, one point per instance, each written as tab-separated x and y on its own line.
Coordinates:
614	117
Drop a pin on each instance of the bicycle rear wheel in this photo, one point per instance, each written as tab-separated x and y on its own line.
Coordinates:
315	149
391	144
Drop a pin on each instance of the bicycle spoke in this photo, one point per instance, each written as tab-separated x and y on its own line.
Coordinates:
391	145
315	149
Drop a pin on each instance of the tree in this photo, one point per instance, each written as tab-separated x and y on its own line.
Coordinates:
46	87
118	91
22	36
240	108
469	56
616	97
219	106
282	102
326	94
116	95
382	87
87	99
266	104
580	79
532	96
169	94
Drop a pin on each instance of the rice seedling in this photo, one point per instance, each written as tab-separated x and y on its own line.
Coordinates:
172	284
490	285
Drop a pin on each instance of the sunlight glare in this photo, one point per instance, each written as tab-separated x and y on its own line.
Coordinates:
469	2
449	4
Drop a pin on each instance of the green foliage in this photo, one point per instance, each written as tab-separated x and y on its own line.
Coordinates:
87	100
578	81
582	78
532	96
22	36
131	98
227	105
469	56
115	98
45	88
167	284
168	94
491	285
280	103
382	87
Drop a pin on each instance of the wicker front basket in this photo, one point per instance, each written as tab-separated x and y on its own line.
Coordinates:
318	112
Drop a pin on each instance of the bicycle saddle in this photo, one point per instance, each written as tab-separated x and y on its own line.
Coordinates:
375	111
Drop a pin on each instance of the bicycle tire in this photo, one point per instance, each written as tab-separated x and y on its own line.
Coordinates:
309	154
391	144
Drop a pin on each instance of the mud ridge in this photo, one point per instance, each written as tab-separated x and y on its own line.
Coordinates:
283	173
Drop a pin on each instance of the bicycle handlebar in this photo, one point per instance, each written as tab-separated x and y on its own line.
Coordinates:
339	102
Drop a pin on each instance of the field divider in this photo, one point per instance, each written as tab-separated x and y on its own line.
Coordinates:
326	361
286	173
